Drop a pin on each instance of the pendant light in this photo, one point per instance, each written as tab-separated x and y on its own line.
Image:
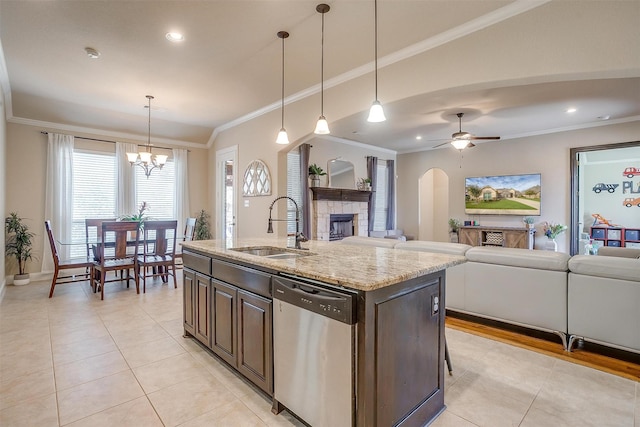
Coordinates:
322	127
283	138
145	159
376	113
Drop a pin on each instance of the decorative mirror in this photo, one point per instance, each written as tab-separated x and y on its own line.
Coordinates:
257	180
341	174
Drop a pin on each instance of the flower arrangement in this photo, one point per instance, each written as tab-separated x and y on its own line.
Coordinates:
552	230
528	219
138	216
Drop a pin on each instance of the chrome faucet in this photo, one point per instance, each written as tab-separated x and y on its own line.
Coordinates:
299	236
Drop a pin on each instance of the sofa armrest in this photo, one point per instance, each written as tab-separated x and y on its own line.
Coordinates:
606	266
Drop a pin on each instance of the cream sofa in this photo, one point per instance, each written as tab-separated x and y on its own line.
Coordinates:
595	298
604	299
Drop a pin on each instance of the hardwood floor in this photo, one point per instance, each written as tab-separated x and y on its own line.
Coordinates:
622	368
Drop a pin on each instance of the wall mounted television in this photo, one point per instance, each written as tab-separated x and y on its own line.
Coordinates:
503	195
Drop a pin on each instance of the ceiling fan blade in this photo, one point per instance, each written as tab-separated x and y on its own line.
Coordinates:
440	145
484	137
471	145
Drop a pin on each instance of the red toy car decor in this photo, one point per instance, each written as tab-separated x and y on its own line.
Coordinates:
631	172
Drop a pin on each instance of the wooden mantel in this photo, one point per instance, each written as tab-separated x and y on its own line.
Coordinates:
340	194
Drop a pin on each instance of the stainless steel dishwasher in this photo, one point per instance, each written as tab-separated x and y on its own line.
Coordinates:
314	333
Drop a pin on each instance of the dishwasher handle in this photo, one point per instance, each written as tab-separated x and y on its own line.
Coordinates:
326	302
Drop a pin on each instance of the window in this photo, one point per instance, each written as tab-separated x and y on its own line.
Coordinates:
158	191
94	192
382	197
294	190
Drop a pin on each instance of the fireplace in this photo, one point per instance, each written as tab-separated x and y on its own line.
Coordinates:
350	208
340	226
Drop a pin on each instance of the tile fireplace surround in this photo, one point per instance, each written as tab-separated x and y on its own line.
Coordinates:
335	201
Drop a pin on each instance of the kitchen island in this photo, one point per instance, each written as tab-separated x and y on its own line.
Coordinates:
397	373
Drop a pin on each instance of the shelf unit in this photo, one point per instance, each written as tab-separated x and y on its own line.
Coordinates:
616	236
508	237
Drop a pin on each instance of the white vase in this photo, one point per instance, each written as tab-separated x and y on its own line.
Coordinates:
552	245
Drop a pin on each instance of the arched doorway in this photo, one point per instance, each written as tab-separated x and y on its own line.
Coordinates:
433	204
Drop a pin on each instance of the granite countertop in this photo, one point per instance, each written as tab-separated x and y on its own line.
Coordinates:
362	268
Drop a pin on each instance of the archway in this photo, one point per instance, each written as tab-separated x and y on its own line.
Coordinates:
433	205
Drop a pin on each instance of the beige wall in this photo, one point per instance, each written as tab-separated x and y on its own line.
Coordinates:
26	155
546	154
3	178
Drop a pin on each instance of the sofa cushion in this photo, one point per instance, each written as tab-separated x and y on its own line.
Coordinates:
606	266
437	247
543	260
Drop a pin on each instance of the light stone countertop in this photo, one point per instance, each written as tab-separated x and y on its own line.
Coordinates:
363	268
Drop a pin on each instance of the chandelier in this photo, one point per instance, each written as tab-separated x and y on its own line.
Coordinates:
145	159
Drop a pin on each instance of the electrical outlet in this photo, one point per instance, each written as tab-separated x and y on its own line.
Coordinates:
435	304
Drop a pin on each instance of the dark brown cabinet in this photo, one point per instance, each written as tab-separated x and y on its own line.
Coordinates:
255	339
228	308
189	283
225	342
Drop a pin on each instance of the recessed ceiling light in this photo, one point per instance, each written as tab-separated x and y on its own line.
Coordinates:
174	37
92	53
571	110
418	137
607	117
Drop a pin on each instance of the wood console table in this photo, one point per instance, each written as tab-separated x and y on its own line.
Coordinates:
508	237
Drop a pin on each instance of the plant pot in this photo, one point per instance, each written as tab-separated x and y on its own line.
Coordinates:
21	279
315	180
453	237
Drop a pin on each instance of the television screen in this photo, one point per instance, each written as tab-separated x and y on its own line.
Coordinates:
503	195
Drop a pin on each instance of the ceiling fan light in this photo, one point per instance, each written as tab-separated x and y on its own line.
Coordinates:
376	113
322	127
460	144
283	138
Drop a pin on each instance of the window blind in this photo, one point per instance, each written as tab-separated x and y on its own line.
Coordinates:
158	191
294	189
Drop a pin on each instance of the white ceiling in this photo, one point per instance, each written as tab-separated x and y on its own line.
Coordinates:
229	67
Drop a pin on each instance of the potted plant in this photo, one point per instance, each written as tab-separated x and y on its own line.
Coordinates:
365	184
454	225
202	232
528	220
315	172
139	216
18	245
552	230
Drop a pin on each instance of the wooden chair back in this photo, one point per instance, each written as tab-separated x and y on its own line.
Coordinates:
189	229
92	230
122	236
160	237
52	242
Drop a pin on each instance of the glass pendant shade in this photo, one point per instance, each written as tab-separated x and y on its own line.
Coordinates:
145	157
283	138
132	157
161	159
376	113
460	144
322	127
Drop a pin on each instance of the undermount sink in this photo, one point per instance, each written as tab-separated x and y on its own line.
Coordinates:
272	252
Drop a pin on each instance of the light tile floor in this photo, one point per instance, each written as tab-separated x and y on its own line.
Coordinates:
75	360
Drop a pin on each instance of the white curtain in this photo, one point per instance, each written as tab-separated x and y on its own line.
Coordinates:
58	206
182	187
126	187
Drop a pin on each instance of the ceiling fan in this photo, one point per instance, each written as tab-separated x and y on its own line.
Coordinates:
462	139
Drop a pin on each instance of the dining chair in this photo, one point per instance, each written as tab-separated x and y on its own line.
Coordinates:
92	230
189	234
158	252
68	264
117	250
